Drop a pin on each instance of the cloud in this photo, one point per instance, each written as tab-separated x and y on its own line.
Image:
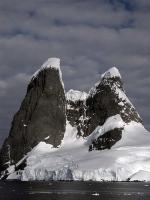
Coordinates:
88	36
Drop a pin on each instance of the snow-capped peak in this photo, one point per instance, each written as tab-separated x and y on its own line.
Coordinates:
50	63
112	72
75	95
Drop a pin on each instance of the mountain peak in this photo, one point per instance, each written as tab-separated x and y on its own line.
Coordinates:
111	73
49	63
52	63
42	108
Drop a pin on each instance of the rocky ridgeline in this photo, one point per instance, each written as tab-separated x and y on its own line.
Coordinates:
107	98
43	112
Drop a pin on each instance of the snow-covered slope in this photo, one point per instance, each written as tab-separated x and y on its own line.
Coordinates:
73	161
140	176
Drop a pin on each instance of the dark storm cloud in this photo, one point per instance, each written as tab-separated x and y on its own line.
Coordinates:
88	36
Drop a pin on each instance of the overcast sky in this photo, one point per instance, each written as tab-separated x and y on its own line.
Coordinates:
90	36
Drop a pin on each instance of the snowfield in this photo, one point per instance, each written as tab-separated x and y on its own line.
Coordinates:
75	95
128	159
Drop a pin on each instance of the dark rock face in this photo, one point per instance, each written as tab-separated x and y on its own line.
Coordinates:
42	115
108	100
107	140
76	111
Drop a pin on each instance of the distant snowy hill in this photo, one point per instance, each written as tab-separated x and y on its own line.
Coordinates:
104	137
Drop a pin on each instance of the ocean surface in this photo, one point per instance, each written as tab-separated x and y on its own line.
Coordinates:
12	190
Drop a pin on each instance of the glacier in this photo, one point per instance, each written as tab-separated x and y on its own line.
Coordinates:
125	161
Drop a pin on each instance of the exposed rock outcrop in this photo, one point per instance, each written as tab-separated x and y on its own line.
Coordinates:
107	140
76	108
42	115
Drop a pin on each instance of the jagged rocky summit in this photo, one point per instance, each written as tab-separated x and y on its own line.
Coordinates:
55	136
106	99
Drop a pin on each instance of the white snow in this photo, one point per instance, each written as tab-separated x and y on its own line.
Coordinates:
75	95
121	103
141	176
50	63
53	63
95	194
70	135
72	160
112	72
122	96
46	138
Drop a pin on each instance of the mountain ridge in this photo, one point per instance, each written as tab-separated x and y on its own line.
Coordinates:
83	134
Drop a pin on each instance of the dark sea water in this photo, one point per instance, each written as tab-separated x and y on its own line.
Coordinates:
74	191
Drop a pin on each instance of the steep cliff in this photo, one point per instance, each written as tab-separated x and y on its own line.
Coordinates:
41	117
